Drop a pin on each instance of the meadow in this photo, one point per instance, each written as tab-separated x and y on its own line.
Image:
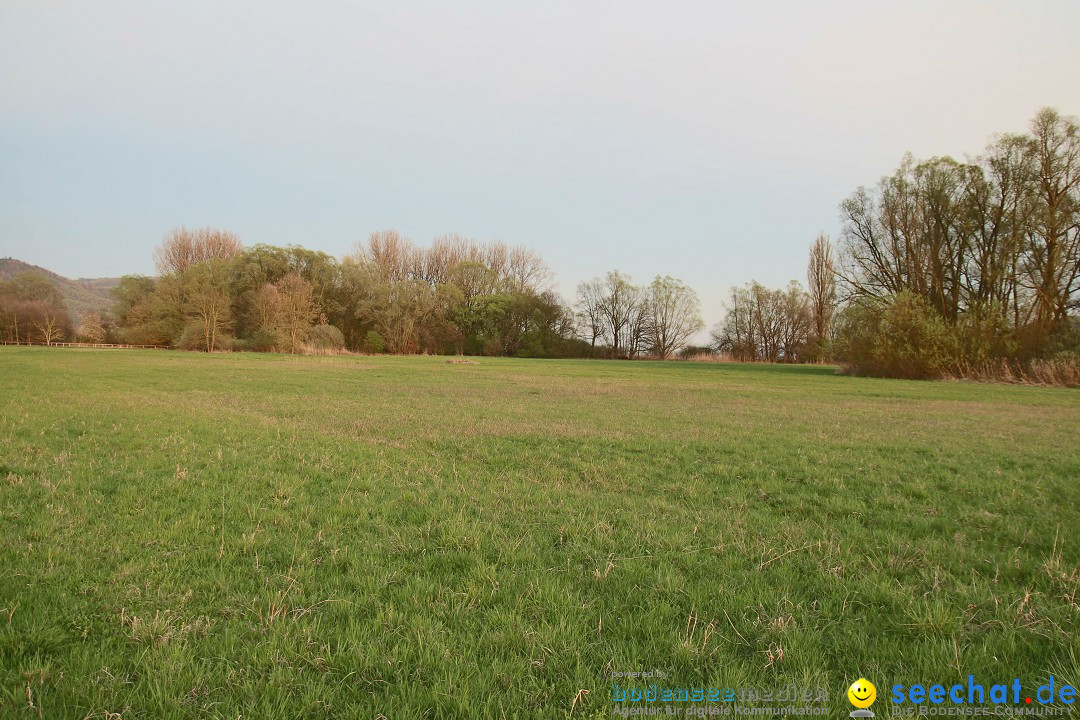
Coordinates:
266	536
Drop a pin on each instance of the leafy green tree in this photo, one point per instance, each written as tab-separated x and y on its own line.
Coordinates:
143	317
400	311
373	342
257	266
325	337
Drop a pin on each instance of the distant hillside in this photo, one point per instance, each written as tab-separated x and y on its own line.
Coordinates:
82	294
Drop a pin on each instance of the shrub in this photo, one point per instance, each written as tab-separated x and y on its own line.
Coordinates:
1065	342
983	337
373	342
325	337
692	351
901	337
139	335
261	341
192	338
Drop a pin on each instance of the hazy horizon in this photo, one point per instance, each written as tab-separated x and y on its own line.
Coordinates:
707	143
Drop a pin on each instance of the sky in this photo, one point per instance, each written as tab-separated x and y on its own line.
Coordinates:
709	141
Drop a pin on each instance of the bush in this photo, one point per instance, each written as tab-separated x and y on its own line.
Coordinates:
139	335
261	341
1065	342
983	337
373	342
194	338
902	337
693	351
326	337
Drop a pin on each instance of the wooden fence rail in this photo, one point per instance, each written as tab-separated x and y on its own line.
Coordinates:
87	345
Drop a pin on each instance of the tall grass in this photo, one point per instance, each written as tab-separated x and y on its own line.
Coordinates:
1062	371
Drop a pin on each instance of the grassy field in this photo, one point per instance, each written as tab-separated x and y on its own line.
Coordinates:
265	536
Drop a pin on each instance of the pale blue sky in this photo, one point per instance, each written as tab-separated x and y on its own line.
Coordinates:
710	141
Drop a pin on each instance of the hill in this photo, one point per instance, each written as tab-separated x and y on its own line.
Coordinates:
81	294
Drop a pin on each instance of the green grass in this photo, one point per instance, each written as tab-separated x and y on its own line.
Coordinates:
274	537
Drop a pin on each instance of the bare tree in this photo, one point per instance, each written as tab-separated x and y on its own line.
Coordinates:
821	282
912	233
1053	259
639	326
266	305
296	309
766	325
447	252
50	326
797	323
590	314
1000	205
390	255
207	301
619	306
674	314
184	247
526	271
91	327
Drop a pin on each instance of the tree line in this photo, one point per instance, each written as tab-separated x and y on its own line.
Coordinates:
949	264
791	324
389	295
628	320
456	296
944	268
941	267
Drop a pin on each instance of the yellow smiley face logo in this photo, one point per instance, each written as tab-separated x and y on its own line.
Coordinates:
862	693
